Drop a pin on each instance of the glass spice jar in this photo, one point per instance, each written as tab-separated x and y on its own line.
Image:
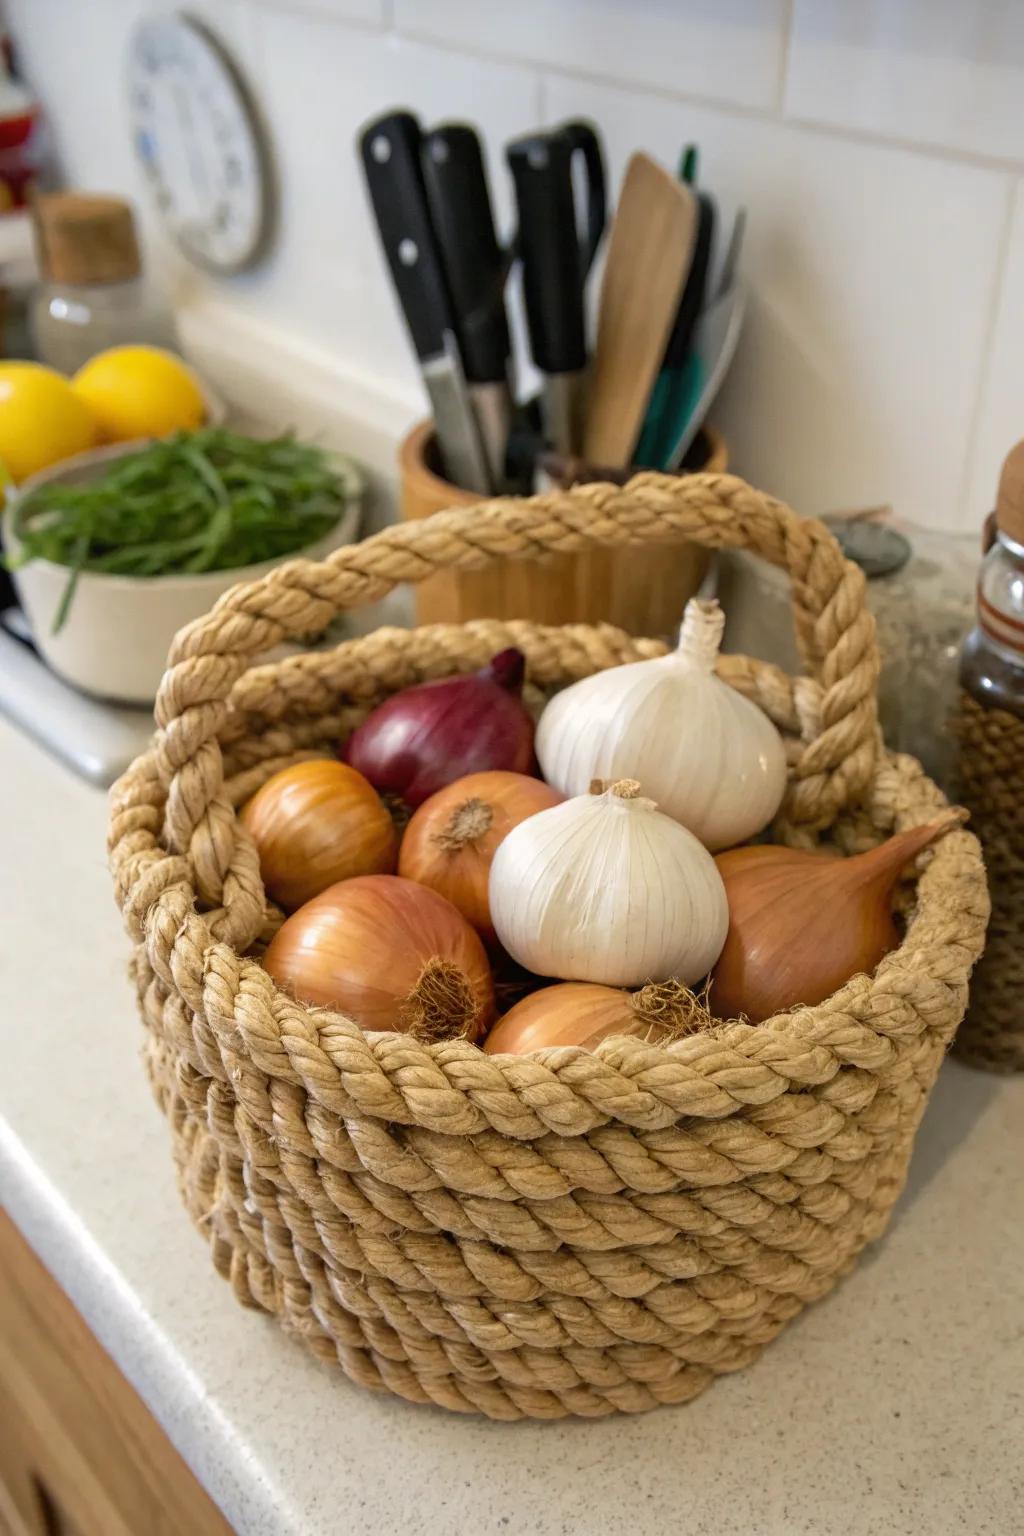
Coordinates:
92	294
989	779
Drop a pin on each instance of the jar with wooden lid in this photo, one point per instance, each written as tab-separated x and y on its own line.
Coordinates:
92	293
989	732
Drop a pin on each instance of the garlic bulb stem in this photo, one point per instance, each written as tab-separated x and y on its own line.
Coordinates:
700	634
622	789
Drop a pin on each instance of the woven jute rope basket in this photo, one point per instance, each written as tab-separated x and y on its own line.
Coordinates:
571	1232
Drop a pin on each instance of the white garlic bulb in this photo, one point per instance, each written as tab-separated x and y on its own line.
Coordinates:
710	758
604	888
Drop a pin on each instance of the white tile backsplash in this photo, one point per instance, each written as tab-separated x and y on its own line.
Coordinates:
933	71
725	49
330	283
882	358
85	105
1000	421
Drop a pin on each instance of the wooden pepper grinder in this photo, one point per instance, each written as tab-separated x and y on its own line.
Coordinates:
989	731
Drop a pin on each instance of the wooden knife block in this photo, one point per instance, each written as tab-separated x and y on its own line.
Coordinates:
642	590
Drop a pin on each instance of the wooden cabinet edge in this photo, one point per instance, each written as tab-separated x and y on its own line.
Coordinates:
81	1453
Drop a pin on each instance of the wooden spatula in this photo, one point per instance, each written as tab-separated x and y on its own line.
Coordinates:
648	259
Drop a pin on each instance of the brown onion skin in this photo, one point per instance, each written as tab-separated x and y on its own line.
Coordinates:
425	737
314	824
569	1013
460	873
802	923
361	946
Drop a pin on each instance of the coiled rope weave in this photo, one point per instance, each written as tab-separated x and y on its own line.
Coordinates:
572	1232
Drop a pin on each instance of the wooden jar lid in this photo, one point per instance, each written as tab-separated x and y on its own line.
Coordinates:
1010	500
84	238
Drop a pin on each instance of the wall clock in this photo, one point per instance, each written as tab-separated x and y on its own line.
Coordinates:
199	142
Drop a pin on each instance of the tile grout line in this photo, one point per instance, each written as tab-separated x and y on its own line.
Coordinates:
789	8
552	70
313	12
944	152
389	24
988	340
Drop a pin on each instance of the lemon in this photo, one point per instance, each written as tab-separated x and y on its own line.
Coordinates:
41	419
139	392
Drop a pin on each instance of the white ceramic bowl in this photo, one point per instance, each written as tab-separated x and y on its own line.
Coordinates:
117	633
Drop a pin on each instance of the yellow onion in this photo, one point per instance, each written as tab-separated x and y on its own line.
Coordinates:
316	823
802	923
389	953
582	1013
452	838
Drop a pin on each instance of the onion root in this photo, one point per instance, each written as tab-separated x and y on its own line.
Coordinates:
671	1011
440	1006
468	823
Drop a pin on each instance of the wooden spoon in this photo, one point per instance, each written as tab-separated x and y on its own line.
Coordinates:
649	257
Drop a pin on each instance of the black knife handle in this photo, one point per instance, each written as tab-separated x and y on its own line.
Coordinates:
474	263
390	148
555	259
583	138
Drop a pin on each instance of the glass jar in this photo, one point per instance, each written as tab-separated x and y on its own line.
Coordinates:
989	732
72	322
92	294
923	606
992	659
921	591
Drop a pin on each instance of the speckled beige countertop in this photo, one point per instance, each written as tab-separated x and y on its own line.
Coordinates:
894	1408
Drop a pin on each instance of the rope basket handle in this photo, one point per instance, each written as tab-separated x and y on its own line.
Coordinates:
834	628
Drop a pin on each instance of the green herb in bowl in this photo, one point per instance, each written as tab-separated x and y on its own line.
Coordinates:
211	500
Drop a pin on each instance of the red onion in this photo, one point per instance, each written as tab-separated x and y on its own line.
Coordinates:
427	737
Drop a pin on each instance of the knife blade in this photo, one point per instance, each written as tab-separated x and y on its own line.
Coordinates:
390	148
716	339
476	268
556	259
731	259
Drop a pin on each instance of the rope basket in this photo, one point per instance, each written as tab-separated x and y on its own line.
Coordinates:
572	1232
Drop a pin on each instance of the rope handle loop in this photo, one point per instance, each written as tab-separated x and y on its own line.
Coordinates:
834	627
